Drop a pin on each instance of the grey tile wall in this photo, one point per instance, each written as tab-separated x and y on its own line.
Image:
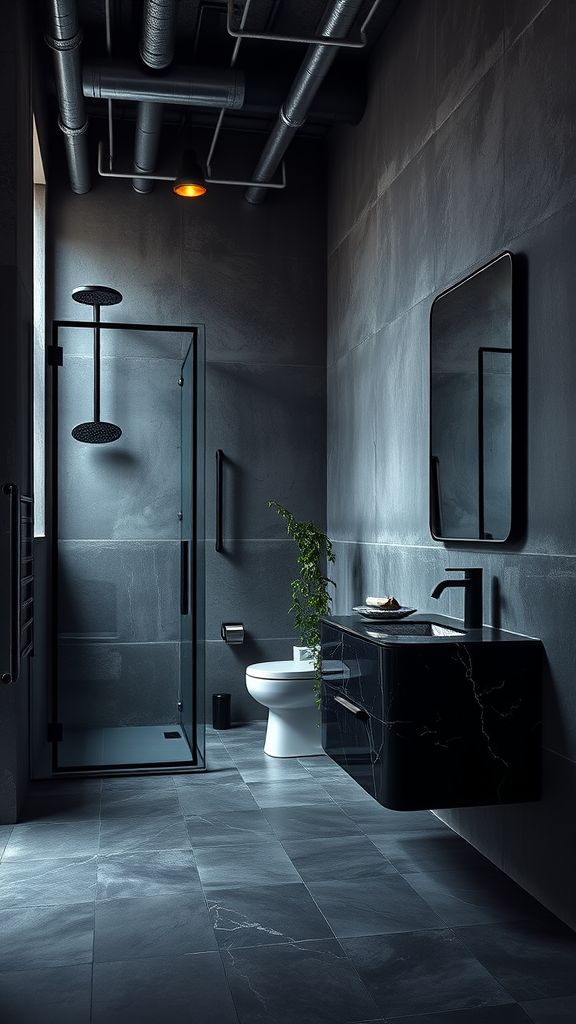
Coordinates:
476	162
130	489
109	685
539	175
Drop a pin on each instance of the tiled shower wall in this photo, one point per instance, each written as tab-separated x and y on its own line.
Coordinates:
466	150
255	276
118	551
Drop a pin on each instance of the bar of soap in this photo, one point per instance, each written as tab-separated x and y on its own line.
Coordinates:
387	603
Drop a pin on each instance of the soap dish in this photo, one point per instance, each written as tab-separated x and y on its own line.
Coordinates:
367	611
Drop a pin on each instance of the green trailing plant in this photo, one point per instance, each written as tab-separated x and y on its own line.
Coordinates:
310	596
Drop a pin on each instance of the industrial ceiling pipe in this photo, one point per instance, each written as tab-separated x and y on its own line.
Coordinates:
157	52
201	87
337	19
65	44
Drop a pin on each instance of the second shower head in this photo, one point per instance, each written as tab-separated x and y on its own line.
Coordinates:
96	432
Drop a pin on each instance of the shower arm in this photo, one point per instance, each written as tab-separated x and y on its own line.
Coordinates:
96	362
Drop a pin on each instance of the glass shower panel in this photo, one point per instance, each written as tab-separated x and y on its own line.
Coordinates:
192	646
119	700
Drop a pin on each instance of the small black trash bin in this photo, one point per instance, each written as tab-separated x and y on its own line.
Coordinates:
221	710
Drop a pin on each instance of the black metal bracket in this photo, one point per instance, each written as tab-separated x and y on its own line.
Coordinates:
55	355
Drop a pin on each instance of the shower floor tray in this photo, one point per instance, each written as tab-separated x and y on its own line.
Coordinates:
130	745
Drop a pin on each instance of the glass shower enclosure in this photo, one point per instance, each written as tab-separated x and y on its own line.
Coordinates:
128	551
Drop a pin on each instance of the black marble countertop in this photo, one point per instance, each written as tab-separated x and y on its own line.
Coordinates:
369	629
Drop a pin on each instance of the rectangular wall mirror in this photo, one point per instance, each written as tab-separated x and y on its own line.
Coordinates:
471	407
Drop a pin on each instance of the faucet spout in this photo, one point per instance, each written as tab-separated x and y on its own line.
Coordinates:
472	584
441	587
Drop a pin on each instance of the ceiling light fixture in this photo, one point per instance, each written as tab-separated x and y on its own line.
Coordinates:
190	179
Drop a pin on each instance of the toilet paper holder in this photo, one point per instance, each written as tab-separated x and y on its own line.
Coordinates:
232	632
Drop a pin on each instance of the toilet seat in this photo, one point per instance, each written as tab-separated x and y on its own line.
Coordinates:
281	670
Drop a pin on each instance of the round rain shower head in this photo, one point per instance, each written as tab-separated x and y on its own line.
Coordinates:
96	432
96	295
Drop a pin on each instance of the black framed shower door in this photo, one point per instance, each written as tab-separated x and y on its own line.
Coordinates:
127	544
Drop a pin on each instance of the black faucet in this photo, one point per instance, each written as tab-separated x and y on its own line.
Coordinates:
472	584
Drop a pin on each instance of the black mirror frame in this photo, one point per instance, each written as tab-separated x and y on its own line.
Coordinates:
519	455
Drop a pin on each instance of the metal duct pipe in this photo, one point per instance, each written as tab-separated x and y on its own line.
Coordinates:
200	87
157	51
65	44
337	19
158	33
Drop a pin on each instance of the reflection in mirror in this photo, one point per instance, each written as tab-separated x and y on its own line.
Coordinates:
471	407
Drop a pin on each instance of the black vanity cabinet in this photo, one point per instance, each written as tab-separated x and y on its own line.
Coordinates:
433	721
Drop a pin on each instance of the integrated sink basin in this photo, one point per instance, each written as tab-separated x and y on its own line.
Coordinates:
429	629
427	713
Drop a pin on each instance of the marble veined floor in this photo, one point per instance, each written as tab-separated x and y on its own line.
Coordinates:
263	892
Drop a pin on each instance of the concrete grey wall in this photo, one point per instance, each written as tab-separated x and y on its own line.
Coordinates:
15	334
466	149
256	277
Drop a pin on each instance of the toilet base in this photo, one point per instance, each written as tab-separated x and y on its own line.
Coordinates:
294	733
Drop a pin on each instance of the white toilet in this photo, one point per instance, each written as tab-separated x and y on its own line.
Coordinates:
286	688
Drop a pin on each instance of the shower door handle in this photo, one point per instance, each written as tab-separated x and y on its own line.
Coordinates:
219	456
184	577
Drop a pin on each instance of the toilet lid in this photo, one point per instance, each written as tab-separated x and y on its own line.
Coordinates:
281	670
286	669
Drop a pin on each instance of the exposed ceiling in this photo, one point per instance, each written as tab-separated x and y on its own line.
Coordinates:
258	77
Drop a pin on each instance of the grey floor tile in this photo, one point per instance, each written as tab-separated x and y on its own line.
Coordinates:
421	972
372	906
306	982
475	896
68	788
153	873
76	801
41	937
154	832
321	764
217	759
133	802
337	858
5	833
280	881
180	989
265	915
310	821
429	850
53	995
45	839
531	959
140	928
228	828
277	792
244	732
374	819
277	770
559	1010
146	784
252	865
509	1013
344	790
229	796
44	883
214	777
